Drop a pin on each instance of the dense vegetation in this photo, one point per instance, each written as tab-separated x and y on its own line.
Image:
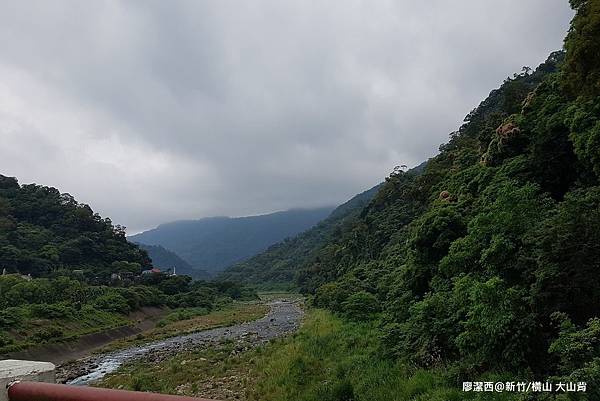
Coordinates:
166	260
489	260
214	243
66	271
57	308
332	359
43	231
280	263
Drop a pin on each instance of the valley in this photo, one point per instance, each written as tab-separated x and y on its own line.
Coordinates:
282	318
469	271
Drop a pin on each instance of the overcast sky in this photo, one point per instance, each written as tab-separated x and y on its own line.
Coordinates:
152	111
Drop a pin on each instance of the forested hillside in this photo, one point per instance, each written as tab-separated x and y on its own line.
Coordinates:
66	271
167	260
43	231
214	243
489	261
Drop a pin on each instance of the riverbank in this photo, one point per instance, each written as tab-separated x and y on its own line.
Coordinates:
189	320
283	317
220	370
328	359
334	359
77	346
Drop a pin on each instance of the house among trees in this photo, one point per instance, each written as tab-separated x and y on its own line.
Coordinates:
154	270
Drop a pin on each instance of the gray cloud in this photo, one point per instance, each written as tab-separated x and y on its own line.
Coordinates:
153	111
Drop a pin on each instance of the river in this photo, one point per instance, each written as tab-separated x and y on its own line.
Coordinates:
284	317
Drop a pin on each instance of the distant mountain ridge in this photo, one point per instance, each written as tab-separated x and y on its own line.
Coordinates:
214	243
280	263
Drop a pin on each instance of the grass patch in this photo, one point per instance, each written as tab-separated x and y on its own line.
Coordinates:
279	295
189	320
34	330
182	314
331	359
219	372
233	313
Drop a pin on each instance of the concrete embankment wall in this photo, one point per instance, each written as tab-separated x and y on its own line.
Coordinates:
62	352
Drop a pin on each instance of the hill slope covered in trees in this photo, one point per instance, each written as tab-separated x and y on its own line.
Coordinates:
281	263
214	243
488	263
43	231
67	272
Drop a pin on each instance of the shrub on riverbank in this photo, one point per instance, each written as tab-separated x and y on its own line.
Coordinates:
332	359
41	310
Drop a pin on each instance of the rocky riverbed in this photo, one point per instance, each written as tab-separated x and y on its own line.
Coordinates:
284	317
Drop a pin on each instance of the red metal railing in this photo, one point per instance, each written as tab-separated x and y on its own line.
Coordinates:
36	391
